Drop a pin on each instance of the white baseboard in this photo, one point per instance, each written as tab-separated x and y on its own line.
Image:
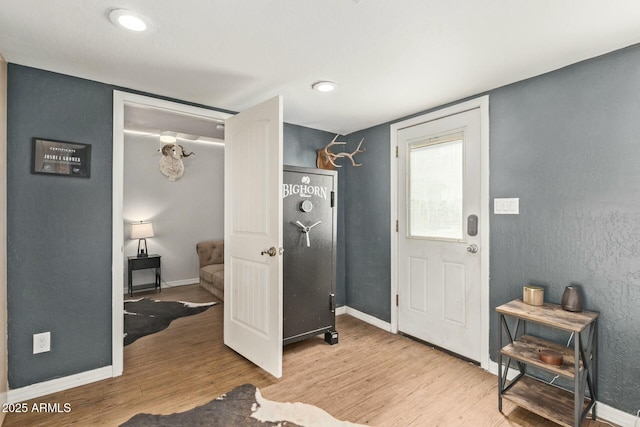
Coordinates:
183	282
366	318
59	384
493	368
341	310
615	416
173	284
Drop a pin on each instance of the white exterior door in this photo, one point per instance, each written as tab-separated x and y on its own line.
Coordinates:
253	235
439	234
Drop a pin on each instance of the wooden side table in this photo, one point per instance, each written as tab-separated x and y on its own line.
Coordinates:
568	408
143	263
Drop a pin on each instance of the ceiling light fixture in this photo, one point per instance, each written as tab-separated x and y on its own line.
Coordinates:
167	137
323	86
203	140
154	133
129	20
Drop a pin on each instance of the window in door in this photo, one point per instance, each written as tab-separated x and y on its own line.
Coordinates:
435	187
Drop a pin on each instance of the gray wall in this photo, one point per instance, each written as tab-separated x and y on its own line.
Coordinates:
183	212
565	143
366	218
59	229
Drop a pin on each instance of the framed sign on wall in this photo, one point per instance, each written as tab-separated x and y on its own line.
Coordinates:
52	157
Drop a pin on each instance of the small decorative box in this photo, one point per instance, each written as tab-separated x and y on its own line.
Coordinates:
533	295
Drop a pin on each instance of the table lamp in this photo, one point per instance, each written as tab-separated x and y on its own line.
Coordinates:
141	230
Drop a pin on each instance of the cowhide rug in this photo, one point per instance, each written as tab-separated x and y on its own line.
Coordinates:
243	406
144	316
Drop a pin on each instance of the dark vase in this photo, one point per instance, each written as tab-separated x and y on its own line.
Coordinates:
571	299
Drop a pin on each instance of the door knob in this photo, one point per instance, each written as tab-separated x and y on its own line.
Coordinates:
272	251
472	248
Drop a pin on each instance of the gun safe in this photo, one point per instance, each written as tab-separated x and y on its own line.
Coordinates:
309	259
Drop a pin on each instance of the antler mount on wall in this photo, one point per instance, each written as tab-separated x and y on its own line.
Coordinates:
171	164
327	159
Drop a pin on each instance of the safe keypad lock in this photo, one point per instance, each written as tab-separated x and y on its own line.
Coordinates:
306	206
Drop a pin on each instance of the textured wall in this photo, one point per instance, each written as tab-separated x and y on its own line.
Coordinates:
567	144
59	229
366	219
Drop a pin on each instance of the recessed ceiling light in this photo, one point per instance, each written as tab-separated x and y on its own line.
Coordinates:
129	20
168	137
323	86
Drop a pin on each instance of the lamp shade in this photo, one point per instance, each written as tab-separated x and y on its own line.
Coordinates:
141	230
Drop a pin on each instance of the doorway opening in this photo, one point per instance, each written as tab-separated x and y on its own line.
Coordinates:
142	119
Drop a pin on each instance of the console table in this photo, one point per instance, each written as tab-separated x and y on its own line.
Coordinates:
566	407
143	263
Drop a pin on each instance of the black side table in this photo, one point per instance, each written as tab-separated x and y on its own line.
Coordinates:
143	263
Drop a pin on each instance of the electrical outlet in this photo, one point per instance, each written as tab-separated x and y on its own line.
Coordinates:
41	342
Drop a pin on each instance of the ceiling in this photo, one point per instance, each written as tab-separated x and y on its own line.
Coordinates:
153	121
389	58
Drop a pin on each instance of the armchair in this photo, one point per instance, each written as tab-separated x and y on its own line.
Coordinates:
211	259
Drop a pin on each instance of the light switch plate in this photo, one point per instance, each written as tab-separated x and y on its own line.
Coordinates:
506	206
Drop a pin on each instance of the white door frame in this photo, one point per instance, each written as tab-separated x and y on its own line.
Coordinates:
120	99
483	104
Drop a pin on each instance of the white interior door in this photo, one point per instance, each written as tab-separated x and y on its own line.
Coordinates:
253	235
439	235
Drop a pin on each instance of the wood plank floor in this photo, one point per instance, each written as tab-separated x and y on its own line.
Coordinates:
371	377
